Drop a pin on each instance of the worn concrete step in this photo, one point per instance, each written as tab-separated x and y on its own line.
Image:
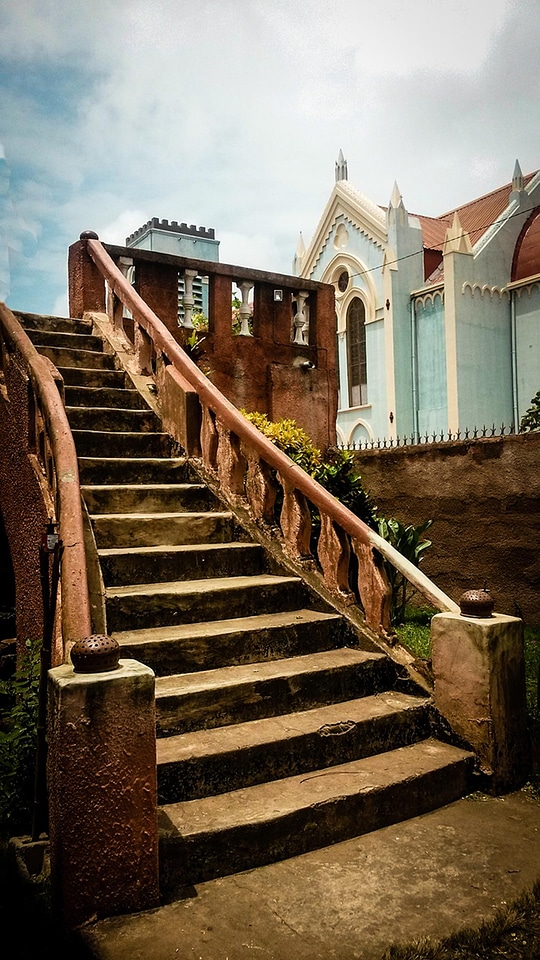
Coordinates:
125	565
220	835
235	694
163	529
115	421
101	379
149	498
142	605
218	643
96	470
85	359
71	340
36	321
208	762
100	443
117	398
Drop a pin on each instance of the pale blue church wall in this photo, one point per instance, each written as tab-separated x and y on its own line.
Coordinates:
406	246
431	385
484	359
527	307
358	424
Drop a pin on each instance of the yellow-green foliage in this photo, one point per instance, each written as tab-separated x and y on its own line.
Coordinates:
290	438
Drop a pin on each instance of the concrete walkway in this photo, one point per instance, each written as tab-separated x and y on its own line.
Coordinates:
429	876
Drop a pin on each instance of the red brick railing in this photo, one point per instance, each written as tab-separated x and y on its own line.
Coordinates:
248	466
42	425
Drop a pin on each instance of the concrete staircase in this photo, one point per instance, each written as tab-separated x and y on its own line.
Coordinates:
279	730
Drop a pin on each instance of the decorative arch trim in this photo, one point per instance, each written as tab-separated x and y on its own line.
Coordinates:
366	426
485	289
428	298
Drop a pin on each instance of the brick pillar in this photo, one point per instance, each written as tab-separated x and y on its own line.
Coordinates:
479	673
102	792
86	284
157	284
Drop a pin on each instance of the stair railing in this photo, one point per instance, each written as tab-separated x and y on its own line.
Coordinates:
249	466
51	441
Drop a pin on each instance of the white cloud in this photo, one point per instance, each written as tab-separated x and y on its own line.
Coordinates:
230	114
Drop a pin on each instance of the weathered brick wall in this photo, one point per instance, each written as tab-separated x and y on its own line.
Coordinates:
484	496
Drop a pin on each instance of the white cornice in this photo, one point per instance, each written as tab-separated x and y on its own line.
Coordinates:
358	209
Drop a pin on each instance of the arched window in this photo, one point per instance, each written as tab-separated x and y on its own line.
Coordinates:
356	353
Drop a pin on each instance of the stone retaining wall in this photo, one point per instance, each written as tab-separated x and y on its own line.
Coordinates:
484	496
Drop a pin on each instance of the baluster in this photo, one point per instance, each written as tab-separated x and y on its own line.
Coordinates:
295	522
334	553
231	464
244	310
144	350
188	301
300	321
261	488
125	265
209	438
373	587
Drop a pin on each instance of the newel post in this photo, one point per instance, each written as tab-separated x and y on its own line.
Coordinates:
102	785
479	687
86	284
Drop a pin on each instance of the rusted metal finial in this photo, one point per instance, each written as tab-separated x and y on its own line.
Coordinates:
476	603
95	654
88	235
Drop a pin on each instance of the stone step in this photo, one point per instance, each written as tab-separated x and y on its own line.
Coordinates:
218	643
65	340
35	321
85	359
235	694
142	605
96	470
117	398
207	762
149	498
162	529
99	443
101	379
115	421
125	565
246	828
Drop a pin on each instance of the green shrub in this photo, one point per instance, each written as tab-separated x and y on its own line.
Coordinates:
531	418
411	544
18	741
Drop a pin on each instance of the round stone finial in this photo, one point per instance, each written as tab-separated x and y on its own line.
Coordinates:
476	603
95	654
88	235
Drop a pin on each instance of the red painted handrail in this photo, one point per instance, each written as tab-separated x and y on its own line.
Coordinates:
76	618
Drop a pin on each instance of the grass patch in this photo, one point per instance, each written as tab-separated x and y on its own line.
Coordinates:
513	934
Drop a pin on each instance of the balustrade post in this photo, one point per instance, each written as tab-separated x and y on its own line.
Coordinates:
231	463
144	350
300	320
209	439
334	554
373	587
295	522
261	488
188	300
245	312
220	306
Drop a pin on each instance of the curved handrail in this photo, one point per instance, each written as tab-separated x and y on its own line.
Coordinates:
233	420
76	618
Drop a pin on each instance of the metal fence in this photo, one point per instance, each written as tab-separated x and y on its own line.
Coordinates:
473	433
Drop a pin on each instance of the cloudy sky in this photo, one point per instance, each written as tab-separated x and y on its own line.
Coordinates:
231	114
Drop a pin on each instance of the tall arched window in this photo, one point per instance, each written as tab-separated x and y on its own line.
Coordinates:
356	353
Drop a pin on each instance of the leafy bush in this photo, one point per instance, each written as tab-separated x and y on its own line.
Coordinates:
531	419
411	544
18	741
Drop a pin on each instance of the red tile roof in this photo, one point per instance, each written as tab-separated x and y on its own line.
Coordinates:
475	217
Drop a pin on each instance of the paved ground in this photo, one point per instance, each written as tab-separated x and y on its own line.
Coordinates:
426	877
